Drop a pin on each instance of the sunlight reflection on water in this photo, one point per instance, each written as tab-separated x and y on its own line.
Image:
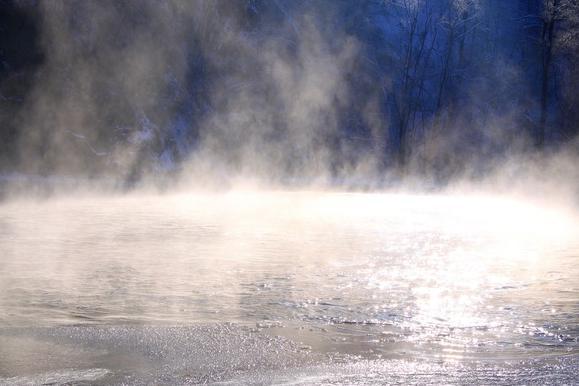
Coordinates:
369	274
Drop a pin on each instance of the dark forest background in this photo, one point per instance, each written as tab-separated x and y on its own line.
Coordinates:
287	87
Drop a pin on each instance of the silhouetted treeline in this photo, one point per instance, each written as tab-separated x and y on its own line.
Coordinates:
20	58
428	85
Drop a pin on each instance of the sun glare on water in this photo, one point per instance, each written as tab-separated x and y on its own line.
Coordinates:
447	275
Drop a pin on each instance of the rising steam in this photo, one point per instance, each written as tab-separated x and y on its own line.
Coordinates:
212	93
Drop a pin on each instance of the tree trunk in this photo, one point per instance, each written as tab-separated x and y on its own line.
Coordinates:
547	42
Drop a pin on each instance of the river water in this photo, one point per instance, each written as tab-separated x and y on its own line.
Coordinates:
288	287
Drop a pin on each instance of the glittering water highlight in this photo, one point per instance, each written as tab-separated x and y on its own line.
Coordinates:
298	281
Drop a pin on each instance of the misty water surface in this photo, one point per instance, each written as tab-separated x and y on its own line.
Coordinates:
371	276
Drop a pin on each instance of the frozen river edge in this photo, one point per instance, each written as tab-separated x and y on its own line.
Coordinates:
234	354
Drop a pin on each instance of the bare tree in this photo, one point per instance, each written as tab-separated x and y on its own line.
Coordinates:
457	22
559	38
547	39
566	47
418	25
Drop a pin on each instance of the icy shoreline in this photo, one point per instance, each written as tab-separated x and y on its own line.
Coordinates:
232	354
